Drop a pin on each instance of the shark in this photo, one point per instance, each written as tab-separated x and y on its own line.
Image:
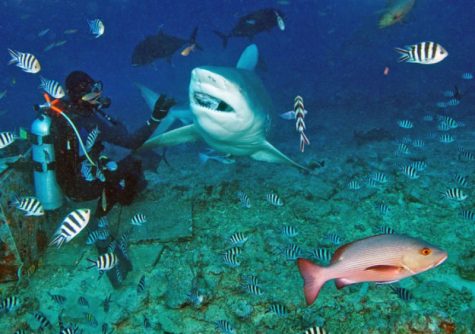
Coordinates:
230	112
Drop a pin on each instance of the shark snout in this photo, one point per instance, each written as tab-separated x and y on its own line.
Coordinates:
203	76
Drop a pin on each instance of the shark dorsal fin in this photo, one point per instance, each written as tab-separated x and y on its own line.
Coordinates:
249	58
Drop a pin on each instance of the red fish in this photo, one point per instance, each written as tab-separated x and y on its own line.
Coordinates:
300	112
383	258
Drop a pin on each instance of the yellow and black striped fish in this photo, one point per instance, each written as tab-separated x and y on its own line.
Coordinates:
6	139
52	87
26	61
426	53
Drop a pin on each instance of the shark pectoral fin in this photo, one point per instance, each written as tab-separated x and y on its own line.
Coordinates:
178	136
149	95
270	154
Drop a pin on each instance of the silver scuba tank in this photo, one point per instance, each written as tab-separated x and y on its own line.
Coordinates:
46	187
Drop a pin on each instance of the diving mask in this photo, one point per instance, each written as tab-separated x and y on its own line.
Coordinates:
94	93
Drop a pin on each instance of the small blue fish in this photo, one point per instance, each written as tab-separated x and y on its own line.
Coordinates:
209	155
290	115
96	27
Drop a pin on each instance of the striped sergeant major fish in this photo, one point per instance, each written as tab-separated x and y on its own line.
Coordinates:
274	199
141	285
299	110
6	139
44	322
224	327
96	27
52	87
315	330
28	204
425	53
104	262
92	138
26	61
72	224
9	304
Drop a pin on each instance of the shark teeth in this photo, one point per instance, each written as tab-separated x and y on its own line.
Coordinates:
211	103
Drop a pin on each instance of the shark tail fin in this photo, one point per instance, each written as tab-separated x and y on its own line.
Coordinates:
223	36
193	39
193	36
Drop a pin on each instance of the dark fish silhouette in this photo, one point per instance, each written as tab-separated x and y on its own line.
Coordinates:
160	46
252	24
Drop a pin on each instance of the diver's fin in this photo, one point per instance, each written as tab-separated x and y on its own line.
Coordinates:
174	137
249	58
149	95
270	154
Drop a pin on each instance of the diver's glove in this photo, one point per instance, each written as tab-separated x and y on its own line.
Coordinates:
161	108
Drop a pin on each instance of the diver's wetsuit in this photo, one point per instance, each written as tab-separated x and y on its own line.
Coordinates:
121	185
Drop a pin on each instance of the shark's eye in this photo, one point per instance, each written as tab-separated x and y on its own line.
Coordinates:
425	251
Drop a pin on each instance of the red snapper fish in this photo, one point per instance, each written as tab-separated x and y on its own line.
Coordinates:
385	258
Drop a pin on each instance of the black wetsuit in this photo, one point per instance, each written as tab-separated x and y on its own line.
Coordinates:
121	185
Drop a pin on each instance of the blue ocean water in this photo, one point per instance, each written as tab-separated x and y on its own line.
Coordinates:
333	54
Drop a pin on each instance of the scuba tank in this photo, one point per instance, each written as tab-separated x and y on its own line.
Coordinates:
47	189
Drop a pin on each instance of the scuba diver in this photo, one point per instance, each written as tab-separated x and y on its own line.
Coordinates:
67	147
82	173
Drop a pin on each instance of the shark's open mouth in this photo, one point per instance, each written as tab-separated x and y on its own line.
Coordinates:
211	102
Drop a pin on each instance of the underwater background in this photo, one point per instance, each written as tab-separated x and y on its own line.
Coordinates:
334	55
